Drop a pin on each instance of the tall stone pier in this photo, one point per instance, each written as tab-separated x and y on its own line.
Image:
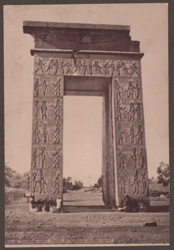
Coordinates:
95	60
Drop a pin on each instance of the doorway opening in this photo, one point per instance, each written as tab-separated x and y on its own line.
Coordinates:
82	146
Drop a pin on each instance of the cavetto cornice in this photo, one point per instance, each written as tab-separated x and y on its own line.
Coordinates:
73	36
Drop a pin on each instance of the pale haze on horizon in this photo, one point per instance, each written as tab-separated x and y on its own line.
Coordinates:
83	115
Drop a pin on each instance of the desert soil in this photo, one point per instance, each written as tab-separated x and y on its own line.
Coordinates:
85	226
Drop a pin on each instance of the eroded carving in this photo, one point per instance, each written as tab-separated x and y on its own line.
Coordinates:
35	182
48	110
118	90
142	159
56	160
36	133
122	160
132	133
121	134
42	183
56	109
42	155
57	87
136	184
40	66
44	110
36	109
134	157
45	133
119	111
56	184
140	134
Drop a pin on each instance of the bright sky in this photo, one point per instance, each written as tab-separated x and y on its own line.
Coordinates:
149	25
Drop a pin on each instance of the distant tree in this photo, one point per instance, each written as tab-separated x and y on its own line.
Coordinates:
99	182
67	184
163	174
12	178
8	174
77	185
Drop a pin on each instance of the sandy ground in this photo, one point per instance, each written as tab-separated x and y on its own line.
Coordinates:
85	227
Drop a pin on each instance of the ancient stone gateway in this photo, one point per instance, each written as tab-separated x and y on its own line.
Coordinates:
87	59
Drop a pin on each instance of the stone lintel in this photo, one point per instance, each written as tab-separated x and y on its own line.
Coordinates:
87	52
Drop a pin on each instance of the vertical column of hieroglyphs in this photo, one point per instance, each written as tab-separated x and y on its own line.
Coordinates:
130	137
46	181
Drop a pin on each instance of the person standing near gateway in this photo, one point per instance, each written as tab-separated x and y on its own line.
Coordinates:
59	204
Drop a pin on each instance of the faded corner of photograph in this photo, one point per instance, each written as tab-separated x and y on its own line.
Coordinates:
86	125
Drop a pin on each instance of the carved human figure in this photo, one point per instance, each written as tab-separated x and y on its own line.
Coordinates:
131	112
44	87
122	160
130	90
50	66
118	89
42	155
36	109
36	133
84	67
121	65
90	67
133	70
56	184
68	65
35	182
139	134
97	67
45	133
119	111
34	158
136	184
134	157
56	66
143	182
43	184
123	185
56	108
56	160
57	87
40	67
56	134
36	87
78	66
132	133
106	67
121	133
138	111
62	67
112	66
137	90
142	159
44	110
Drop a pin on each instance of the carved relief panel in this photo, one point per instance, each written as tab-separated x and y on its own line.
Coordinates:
88	66
47	147
130	137
47	136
